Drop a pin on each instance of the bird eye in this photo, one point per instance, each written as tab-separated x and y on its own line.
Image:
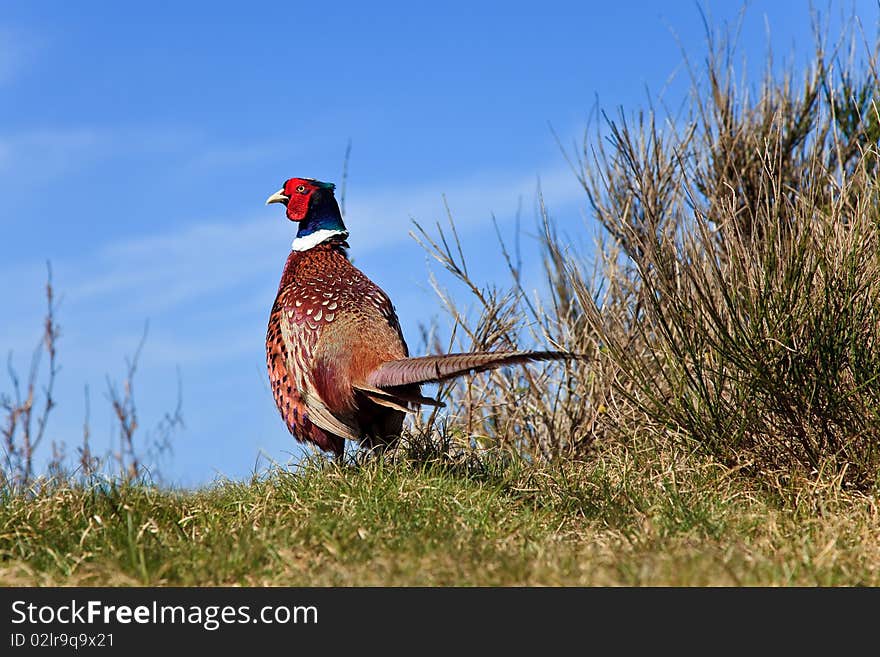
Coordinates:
301	189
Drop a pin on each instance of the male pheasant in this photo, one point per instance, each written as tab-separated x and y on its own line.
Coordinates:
338	364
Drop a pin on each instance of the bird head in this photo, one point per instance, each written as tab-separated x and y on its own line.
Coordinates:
311	204
304	195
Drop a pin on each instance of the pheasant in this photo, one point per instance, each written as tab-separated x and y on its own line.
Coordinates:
338	364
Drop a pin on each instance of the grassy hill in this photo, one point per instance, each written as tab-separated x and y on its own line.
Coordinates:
629	516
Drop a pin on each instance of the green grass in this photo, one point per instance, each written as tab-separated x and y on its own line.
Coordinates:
629	516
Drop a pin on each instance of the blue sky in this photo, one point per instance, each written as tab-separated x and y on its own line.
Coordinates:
138	142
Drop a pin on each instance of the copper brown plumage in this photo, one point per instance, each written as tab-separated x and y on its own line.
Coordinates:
338	364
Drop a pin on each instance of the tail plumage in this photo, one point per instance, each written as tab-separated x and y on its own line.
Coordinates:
433	369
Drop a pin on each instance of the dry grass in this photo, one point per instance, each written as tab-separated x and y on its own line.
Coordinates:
629	516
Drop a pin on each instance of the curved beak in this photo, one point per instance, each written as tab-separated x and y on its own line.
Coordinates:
278	197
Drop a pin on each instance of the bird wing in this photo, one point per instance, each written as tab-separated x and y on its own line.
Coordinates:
379	321
301	336
323	417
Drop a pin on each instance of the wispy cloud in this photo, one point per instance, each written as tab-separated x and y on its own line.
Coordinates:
17	50
205	285
234	157
161	271
168	269
42	154
385	217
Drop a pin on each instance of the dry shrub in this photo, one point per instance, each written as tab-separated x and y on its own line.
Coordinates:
735	299
24	423
540	411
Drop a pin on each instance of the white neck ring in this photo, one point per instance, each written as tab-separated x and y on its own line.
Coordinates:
311	240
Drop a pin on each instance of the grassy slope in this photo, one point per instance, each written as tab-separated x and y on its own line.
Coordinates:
628	517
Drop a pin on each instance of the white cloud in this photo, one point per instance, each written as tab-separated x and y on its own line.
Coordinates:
230	158
165	270
38	155
385	217
17	50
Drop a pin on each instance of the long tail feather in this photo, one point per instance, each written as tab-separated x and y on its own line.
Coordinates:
432	369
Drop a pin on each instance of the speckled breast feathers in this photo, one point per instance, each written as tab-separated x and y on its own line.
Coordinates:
329	328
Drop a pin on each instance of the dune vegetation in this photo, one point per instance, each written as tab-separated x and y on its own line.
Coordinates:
724	428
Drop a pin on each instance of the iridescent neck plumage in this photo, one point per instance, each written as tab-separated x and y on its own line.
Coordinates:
323	223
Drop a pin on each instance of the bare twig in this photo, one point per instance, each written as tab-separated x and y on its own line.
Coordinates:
27	411
344	181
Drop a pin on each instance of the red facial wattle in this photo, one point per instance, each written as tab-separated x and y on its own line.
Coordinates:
299	193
